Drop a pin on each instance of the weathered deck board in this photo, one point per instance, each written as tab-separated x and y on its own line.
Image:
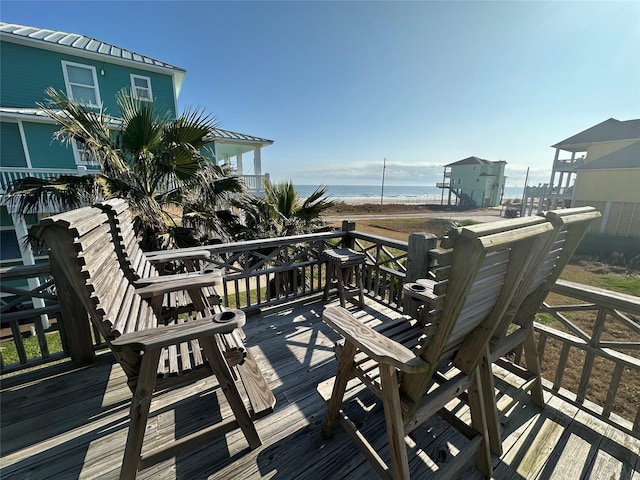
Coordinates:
74	424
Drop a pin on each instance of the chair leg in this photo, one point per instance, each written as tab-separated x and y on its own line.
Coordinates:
479	423
490	407
140	405
341	283
328	281
359	273
394	422
533	366
345	363
225	379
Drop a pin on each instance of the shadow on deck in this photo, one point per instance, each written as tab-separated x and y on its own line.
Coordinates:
73	423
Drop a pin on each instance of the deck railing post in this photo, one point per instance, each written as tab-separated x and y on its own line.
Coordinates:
348	241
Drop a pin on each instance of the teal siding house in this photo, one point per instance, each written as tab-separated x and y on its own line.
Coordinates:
88	70
474	182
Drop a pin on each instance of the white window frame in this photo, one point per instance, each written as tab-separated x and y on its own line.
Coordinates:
134	88
69	86
78	154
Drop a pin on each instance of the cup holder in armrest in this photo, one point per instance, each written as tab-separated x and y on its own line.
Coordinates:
224	317
416	287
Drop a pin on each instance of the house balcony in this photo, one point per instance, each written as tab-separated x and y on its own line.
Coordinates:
68	421
254	182
9	174
567	165
564	165
545	191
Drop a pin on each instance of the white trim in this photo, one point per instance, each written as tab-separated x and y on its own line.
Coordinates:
134	88
77	156
257	161
96	88
605	217
17	117
25	148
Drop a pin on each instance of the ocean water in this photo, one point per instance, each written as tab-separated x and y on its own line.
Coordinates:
391	194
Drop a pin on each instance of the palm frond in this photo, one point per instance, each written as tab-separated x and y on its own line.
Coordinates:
85	125
64	192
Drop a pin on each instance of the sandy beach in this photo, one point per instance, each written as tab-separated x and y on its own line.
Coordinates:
366	210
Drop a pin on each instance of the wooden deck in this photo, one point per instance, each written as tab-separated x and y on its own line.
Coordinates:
73	424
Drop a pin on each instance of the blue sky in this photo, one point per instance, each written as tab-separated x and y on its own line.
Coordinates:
339	86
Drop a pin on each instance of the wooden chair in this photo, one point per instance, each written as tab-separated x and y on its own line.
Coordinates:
153	357
515	332
398	362
178	293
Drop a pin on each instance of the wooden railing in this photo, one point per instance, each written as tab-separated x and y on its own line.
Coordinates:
600	333
385	267
261	273
21	321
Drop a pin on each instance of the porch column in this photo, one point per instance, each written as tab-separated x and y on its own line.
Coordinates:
257	161
239	167
26	253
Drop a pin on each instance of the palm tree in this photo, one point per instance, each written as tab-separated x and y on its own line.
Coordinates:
282	212
158	164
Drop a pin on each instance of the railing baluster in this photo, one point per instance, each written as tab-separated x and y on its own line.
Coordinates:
564	355
613	390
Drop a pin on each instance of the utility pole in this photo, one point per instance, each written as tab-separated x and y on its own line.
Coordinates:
384	166
523	207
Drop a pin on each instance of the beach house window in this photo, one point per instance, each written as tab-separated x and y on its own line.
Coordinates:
141	87
83	156
10	248
82	83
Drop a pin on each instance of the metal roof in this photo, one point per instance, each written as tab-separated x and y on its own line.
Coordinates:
217	134
220	136
610	130
81	43
472	161
39	115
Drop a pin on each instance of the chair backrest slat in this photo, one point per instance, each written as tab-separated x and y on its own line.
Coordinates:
570	226
82	240
133	260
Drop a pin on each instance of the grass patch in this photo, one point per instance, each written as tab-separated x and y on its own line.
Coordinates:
467	222
546	319
31	346
240	298
629	284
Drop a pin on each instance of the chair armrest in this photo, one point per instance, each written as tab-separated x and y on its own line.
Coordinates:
421	290
188	276
159	337
374	344
170	284
166	256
